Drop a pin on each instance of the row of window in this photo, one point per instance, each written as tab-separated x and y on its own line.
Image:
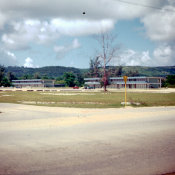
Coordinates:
142	80
31	82
27	81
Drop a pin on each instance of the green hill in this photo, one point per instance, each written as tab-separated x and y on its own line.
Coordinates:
151	71
49	71
57	71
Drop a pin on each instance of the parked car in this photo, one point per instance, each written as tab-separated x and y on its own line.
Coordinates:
75	87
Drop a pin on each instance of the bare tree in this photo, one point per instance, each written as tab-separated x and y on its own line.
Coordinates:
95	67
108	50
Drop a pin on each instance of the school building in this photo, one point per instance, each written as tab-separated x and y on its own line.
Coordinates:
33	83
132	82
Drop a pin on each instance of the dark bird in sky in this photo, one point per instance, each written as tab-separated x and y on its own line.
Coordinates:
84	13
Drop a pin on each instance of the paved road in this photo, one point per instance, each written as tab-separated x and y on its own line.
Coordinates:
58	141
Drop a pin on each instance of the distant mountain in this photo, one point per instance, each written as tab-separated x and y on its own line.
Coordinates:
56	71
49	71
151	71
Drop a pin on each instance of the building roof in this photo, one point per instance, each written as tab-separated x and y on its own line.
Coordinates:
28	80
31	80
29	83
119	78
92	78
131	82
94	83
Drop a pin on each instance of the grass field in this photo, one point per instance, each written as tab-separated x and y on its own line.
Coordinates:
87	99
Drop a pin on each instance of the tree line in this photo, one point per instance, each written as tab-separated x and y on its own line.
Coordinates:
69	79
6	78
169	81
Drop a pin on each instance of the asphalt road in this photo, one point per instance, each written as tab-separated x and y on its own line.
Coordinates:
58	141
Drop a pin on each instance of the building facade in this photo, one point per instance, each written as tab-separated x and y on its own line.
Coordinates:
132	82
92	82
33	83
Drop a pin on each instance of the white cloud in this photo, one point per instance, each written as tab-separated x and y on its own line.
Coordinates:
132	58
27	31
164	55
46	32
62	50
12	55
74	45
59	48
28	62
43	22
7	58
95	9
2	20
160	25
65	18
81	27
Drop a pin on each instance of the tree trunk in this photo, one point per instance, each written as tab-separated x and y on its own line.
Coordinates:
105	79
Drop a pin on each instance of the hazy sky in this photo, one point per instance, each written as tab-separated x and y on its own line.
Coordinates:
36	33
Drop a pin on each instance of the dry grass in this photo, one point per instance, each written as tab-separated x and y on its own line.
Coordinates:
87	99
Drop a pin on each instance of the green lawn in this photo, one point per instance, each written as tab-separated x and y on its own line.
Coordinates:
87	99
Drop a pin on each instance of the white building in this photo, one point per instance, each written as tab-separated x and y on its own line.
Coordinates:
132	82
92	82
33	83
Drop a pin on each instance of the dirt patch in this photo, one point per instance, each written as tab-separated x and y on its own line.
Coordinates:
7	95
52	102
66	94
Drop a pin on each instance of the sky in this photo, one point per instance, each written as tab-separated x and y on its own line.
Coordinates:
37	33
